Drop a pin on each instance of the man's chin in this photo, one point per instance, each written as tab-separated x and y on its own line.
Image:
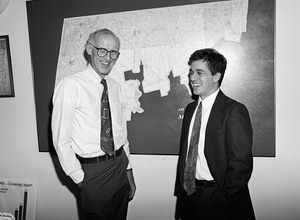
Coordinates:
196	92
104	72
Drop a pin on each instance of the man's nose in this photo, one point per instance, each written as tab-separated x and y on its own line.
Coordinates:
107	56
192	76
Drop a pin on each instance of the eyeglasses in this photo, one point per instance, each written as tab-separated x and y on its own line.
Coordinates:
102	52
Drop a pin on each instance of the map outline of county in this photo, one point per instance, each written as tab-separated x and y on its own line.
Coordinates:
160	40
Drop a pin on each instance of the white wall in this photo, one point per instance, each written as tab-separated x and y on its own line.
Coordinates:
275	182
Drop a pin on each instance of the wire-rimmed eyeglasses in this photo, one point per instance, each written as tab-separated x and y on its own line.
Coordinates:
102	52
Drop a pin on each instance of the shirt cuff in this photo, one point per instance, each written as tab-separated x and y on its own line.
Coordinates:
77	176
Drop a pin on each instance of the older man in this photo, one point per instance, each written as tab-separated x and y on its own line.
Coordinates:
90	133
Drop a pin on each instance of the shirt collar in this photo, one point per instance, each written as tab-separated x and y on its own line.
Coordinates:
209	101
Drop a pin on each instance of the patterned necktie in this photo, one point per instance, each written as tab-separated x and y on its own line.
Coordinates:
107	144
190	167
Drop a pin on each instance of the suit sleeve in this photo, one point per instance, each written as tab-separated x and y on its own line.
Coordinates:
239	138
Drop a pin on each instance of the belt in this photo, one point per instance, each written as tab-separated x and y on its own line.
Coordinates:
86	160
205	183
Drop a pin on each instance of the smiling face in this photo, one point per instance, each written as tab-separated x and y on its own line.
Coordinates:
202	81
102	65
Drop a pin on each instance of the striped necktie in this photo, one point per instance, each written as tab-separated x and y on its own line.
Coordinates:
107	144
190	166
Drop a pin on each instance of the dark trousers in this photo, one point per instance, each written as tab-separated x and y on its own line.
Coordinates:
200	206
105	189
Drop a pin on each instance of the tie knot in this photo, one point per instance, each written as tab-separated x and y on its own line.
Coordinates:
103	82
200	105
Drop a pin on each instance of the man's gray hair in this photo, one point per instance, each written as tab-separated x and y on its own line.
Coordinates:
101	32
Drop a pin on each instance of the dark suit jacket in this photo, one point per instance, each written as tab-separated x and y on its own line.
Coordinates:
228	151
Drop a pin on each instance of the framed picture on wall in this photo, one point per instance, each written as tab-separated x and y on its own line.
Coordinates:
6	76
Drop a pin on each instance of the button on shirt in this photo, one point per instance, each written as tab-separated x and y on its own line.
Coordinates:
76	121
202	169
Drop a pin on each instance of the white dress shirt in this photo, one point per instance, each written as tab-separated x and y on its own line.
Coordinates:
202	169
76	122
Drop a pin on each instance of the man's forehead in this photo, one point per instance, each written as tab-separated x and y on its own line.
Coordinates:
198	63
103	36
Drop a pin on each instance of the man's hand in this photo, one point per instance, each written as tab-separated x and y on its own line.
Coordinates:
131	183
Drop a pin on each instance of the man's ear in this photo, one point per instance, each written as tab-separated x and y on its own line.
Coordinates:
88	49
217	77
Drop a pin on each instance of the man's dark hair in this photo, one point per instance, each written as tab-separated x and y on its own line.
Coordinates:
216	62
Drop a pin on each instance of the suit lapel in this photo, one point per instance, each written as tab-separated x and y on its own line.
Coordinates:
214	122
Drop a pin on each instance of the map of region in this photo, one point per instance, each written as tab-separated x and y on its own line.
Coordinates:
152	68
